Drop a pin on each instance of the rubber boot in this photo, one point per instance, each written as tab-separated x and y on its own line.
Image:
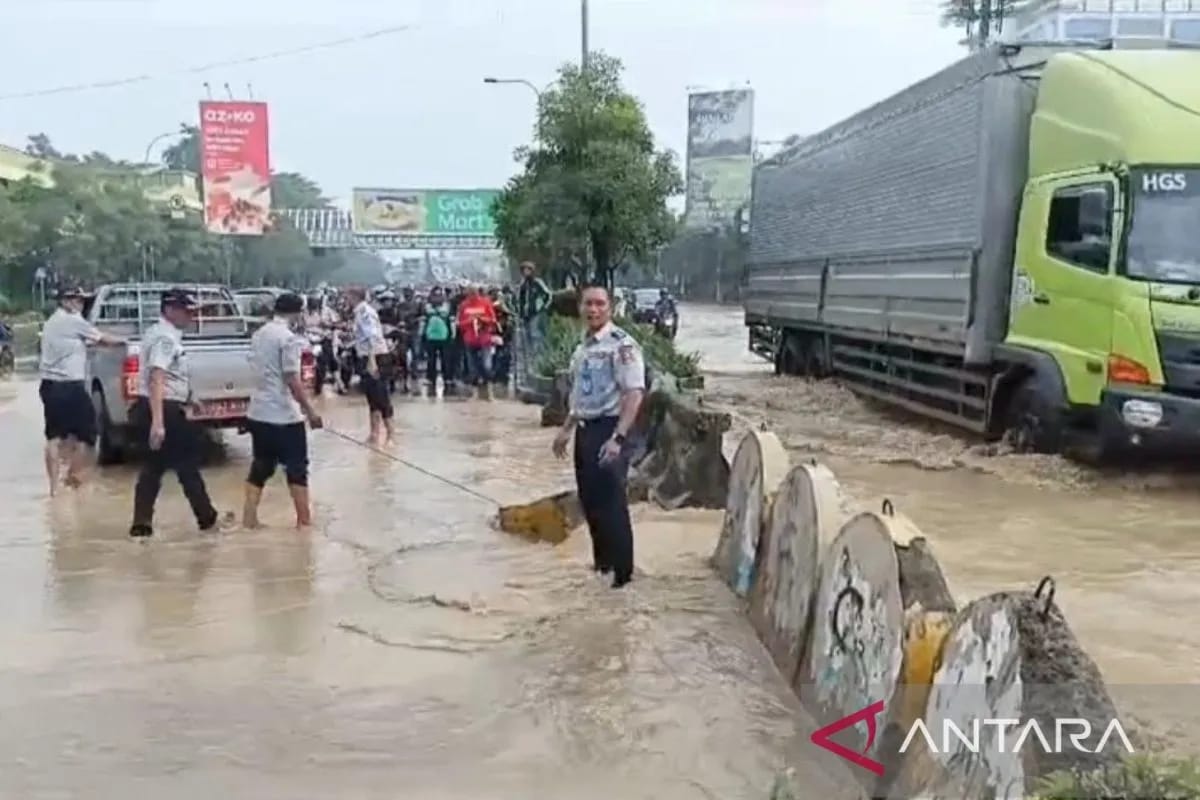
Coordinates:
300	500
250	507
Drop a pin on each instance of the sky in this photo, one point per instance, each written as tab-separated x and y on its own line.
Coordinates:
408	108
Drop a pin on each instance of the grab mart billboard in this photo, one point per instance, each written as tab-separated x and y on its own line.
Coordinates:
425	212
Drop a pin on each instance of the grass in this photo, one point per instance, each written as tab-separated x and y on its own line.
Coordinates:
1141	777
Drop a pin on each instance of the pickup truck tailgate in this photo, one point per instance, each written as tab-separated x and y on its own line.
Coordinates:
220	368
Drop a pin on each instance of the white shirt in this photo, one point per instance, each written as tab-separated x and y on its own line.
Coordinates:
368	331
65	338
162	348
275	354
604	367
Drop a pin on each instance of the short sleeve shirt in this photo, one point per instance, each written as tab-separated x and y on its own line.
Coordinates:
368	331
65	337
605	366
275	354
162	348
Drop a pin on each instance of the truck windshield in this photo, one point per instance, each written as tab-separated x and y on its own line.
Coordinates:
1163	244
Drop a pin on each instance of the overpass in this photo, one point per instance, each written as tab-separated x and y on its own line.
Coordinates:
332	228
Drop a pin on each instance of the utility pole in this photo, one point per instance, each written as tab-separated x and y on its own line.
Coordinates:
583	34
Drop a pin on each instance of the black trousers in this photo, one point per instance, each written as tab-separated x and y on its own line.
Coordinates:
603	496
180	451
67	409
437	356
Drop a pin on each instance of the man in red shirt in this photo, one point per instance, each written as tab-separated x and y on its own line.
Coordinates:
478	326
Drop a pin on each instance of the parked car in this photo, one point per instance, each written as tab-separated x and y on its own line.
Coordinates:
218	348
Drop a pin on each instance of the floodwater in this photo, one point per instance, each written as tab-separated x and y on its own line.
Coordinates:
402	648
1123	546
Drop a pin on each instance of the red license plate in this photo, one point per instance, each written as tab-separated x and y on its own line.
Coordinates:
221	409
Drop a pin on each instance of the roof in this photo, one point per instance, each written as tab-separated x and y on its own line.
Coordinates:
1117	106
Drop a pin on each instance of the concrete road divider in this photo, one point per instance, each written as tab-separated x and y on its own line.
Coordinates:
759	467
1010	656
809	510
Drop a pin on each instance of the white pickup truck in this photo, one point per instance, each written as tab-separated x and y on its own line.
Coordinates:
218	348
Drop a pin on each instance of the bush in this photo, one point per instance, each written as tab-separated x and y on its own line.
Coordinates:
1137	778
563	334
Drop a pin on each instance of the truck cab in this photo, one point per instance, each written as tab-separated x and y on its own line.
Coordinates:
1106	273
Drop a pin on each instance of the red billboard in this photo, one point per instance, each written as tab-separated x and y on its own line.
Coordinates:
235	166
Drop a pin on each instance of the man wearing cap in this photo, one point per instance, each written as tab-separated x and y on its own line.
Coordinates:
278	409
373	352
70	419
160	414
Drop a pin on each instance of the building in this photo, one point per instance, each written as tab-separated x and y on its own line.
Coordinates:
1146	22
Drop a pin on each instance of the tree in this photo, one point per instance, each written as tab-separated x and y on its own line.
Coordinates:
184	155
981	19
592	193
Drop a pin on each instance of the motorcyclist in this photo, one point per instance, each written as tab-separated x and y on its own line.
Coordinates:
666	316
320	322
391	317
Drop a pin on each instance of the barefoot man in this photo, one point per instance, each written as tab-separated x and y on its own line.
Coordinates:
374	354
278	409
69	416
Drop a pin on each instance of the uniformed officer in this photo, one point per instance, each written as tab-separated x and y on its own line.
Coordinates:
161	417
375	357
278	409
608	381
70	420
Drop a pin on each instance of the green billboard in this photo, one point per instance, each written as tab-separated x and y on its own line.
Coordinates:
425	212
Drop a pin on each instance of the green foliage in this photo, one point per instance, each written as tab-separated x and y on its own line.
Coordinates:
981	19
592	193
96	225
1155	777
563	335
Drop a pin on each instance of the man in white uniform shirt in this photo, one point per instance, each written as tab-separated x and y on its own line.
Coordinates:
374	356
278	409
70	419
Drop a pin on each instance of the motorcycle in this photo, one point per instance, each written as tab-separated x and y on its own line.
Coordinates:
347	361
666	324
319	342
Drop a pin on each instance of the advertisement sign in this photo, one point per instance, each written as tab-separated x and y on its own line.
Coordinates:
720	157
425	212
235	167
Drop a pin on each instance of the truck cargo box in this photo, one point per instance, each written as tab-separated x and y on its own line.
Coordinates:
900	221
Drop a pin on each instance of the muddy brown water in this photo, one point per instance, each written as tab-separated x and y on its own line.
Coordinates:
401	648
404	647
1122	545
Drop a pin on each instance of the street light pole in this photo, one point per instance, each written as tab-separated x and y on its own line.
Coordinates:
583	34
521	81
155	141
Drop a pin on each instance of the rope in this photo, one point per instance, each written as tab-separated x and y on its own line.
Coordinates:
415	467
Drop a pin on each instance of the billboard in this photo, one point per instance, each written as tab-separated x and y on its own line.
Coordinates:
235	167
720	157
425	212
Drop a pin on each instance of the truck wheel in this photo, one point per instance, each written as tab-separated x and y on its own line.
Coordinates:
108	449
1032	423
789	358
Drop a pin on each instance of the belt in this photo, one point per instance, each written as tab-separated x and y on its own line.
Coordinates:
583	423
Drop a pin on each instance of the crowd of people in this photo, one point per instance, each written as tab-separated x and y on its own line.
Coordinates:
461	337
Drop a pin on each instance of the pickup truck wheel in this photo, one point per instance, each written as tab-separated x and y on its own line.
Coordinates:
108	450
1033	426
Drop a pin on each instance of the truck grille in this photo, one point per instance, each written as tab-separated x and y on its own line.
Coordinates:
1180	355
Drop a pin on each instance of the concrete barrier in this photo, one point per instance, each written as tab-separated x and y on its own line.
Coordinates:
759	467
855	610
809	509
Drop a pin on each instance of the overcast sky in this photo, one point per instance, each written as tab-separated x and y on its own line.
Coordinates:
410	108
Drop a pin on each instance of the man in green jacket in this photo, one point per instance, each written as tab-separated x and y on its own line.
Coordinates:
533	305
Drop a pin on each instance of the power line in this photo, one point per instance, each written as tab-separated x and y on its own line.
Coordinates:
236	62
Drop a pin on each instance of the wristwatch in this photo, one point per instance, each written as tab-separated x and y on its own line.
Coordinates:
619	438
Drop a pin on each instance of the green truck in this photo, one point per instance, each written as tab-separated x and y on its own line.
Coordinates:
1011	246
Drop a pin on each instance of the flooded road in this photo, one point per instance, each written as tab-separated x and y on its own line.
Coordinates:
401	648
1124	547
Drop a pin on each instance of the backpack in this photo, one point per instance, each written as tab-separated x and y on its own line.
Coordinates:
437	325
